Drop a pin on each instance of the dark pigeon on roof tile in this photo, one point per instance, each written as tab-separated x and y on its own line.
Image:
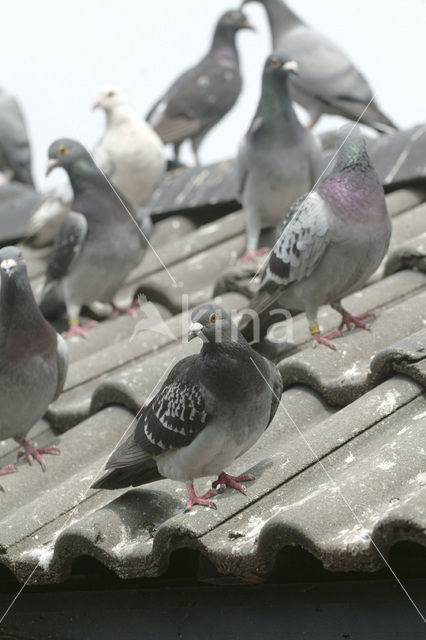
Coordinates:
278	160
204	94
33	358
328	81
98	243
15	152
331	243
212	408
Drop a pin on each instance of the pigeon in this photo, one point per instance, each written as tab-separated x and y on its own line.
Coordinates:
211	409
130	153
331	243
204	94
278	160
33	358
328	82
97	245
15	151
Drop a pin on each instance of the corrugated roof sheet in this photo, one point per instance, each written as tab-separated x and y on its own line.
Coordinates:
340	472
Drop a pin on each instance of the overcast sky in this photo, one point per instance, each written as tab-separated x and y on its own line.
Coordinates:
55	53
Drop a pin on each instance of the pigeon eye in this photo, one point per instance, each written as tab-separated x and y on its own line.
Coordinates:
110	94
274	62
62	150
213	318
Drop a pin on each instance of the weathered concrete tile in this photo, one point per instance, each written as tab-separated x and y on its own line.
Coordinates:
344	375
370	489
410	254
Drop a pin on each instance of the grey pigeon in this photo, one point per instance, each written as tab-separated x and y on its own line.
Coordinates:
279	160
332	242
210	410
98	243
130	152
33	357
204	94
328	81
15	152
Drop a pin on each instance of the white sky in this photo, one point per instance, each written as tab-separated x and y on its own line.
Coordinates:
55	53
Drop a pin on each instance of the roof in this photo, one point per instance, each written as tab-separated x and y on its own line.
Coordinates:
340	472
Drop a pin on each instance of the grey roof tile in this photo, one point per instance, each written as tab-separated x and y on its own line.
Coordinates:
410	254
371	447
342	377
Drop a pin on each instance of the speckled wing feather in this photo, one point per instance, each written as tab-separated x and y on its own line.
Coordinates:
67	246
301	245
197	100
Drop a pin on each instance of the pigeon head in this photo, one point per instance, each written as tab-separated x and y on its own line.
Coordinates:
213	324
278	65
108	97
67	153
229	24
352	148
12	263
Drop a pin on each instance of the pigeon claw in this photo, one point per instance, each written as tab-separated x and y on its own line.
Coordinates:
193	499
117	311
10	468
79	330
225	480
349	321
252	253
317	338
31	453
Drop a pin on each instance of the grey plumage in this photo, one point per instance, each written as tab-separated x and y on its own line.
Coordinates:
331	243
15	152
279	160
328	81
210	410
98	243
33	357
204	94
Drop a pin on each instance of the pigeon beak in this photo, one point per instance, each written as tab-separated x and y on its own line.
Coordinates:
96	104
248	25
8	266
51	164
195	329
291	66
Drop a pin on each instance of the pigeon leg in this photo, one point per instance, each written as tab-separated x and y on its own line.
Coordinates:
348	320
194	499
252	253
77	330
225	480
116	310
31	453
319	339
10	468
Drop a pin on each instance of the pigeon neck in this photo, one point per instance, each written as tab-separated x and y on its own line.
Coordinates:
275	105
224	40
281	20
84	173
121	113
354	192
23	329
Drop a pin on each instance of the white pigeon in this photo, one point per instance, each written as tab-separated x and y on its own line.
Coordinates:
130	153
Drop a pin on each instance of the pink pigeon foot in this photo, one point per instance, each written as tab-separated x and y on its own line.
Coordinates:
10	468
194	499
252	253
79	330
116	311
32	453
225	480
326	340
348	320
